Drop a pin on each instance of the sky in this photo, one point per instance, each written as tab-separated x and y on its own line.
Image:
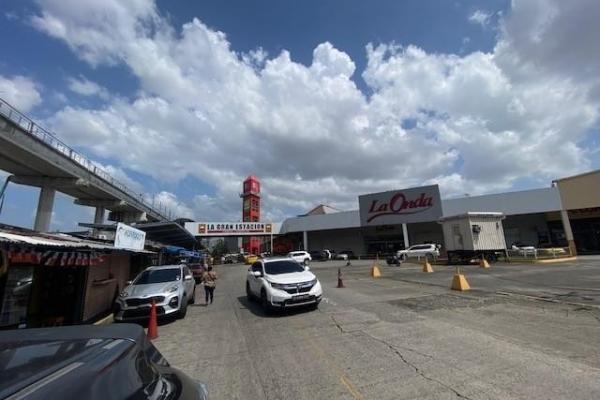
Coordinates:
322	100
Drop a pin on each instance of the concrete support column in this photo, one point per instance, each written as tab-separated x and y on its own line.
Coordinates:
305	240
405	236
98	219
44	209
564	216
99	215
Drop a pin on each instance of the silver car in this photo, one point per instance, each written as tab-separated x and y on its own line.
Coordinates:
171	286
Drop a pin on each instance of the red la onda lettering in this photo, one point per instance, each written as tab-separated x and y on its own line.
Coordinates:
399	204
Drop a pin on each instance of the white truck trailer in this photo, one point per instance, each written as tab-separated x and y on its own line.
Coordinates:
473	235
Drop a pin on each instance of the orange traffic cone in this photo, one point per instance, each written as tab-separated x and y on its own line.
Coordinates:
152	324
340	282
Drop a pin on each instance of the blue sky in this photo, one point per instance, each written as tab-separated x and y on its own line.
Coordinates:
442	81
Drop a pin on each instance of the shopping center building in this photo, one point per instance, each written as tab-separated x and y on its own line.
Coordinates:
565	214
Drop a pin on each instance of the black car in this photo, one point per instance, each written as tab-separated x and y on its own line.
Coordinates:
89	362
316	256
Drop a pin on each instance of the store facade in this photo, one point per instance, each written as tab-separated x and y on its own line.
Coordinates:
580	197
532	217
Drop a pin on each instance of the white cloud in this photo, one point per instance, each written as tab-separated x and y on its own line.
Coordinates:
20	91
171	205
85	87
481	17
481	121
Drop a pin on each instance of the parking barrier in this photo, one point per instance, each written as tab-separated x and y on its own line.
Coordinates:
427	268
483	263
375	272
459	282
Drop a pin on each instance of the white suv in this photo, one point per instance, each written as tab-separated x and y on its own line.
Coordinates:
300	256
282	282
430	251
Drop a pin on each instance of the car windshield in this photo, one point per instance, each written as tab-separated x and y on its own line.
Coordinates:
158	276
282	267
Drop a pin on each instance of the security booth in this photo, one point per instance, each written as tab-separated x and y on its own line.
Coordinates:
473	235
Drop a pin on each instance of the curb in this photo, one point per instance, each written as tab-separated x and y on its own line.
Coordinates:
555	260
109	319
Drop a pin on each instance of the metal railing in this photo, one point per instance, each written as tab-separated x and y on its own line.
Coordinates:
40	133
538	253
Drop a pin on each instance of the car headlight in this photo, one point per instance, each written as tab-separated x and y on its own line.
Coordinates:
314	282
123	294
172	289
280	286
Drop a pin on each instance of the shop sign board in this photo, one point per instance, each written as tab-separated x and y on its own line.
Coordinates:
129	238
232	228
420	204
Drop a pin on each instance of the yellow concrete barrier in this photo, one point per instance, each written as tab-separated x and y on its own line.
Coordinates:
375	272
483	263
427	268
459	282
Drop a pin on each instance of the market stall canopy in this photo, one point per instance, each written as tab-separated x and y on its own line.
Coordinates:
14	235
169	233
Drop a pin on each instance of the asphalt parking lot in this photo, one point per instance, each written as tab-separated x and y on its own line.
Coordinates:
523	332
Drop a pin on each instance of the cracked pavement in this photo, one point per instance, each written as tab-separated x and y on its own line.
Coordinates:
388	339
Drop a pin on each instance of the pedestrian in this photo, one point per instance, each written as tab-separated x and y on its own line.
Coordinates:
209	278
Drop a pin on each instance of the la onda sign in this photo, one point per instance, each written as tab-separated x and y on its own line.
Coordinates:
420	204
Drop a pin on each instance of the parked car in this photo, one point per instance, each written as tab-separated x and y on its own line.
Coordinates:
231	258
250	258
524	249
89	362
327	254
429	250
316	255
171	286
281	283
345	255
393	260
301	257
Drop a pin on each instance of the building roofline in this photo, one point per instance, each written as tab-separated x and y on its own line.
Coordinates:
576	176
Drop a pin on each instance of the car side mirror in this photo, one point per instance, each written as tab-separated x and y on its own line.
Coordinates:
188	277
257	274
128	283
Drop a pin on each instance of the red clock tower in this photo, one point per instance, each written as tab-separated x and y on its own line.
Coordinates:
251	211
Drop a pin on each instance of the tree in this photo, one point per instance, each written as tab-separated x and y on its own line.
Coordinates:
219	249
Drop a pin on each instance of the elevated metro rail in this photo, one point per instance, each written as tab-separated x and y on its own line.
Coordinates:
36	157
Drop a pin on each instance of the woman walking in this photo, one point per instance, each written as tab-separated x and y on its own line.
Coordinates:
209	278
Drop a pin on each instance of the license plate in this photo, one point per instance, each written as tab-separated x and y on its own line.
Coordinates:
302	297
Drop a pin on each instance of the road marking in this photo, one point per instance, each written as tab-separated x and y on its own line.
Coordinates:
337	369
351	388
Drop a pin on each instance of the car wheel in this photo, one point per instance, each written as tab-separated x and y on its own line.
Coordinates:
249	292
193	299
306	261
403	257
314	306
183	310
